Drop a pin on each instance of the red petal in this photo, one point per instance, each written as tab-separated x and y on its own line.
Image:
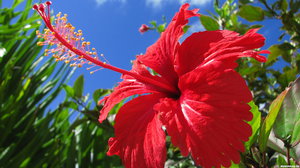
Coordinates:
128	87
139	139
208	46
208	120
160	56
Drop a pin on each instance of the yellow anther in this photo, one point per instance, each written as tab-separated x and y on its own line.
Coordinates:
37	32
46	50
94	49
58	15
39	43
74	48
94	53
79	31
56	60
82	38
88	43
90	63
91	72
81	56
51	43
67	61
90	53
79	65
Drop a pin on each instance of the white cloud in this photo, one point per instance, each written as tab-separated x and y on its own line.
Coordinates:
196	27
101	2
154	3
160	3
196	2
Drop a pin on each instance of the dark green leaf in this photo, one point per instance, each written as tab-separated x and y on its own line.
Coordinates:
186	28
287	123
251	13
269	121
78	86
99	93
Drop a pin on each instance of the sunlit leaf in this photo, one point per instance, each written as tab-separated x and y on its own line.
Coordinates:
209	23
255	124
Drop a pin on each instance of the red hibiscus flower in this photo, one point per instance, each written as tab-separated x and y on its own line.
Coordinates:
197	95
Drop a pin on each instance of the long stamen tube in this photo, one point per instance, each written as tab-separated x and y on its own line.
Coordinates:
69	46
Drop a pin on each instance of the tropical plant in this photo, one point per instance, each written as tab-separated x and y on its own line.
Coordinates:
35	131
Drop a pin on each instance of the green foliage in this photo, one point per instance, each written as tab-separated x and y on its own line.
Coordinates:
255	124
251	13
209	23
269	121
35	133
287	125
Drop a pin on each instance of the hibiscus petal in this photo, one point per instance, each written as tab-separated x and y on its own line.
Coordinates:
139	139
208	46
160	56
128	87
208	120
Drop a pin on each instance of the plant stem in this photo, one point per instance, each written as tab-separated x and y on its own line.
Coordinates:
288	157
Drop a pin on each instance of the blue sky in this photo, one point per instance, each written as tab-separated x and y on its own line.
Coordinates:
112	27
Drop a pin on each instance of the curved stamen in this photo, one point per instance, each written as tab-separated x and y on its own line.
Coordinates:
71	47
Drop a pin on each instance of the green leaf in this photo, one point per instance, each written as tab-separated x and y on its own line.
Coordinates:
251	13
99	93
283	5
186	28
69	90
275	53
255	124
269	121
281	161
287	125
209	23
153	23
78	86
161	28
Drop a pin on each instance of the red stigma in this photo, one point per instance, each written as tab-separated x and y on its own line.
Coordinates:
35	7
48	3
42	7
